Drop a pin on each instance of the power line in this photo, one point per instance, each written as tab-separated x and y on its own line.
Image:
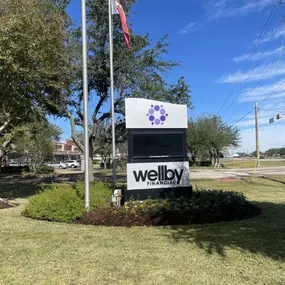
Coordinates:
261	101
278	57
269	19
258	83
243	117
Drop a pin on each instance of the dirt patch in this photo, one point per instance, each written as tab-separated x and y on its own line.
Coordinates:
4	204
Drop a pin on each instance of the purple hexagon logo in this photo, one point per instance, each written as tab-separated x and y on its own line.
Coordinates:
157	115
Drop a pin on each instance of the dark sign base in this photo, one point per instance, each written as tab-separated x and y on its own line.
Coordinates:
160	193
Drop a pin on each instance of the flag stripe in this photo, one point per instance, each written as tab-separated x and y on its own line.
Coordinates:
125	28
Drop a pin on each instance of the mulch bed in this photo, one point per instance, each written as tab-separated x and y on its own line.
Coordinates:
5	204
118	217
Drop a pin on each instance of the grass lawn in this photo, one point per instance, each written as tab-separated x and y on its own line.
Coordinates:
251	163
243	252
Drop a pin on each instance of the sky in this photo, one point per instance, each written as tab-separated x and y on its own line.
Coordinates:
214	40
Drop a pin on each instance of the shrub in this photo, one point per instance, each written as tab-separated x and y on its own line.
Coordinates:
205	206
57	203
65	203
205	163
100	194
43	169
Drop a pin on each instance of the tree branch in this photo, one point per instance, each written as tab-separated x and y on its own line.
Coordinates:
104	116
80	115
73	130
4	146
99	147
99	105
6	123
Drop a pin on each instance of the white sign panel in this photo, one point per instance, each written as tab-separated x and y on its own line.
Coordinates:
158	175
146	114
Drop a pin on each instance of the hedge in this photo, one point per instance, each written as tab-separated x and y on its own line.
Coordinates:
205	206
65	203
44	169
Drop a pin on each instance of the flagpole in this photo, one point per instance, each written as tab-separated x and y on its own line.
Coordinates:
85	106
112	94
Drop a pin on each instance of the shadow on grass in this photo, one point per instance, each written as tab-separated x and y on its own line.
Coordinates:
264	234
19	190
275	179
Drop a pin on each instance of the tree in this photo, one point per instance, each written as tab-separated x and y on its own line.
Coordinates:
102	144
195	140
211	134
34	62
275	152
138	72
36	142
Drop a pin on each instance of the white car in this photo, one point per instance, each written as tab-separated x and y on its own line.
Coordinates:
15	164
57	164
72	163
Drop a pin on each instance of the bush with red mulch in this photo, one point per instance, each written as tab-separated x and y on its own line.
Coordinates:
205	206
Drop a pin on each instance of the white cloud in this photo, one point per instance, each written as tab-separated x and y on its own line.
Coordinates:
273	106
215	10
262	72
191	27
255	94
269	136
264	114
258	55
228	10
251	123
258	97
277	35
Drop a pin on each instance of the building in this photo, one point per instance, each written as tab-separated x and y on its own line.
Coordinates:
67	150
64	150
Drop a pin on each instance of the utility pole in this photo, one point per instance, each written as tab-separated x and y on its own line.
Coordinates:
257	136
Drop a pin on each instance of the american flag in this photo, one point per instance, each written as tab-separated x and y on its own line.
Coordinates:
118	9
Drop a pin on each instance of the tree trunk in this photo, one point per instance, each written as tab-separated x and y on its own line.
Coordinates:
2	154
215	159
4	146
211	158
193	156
218	158
33	166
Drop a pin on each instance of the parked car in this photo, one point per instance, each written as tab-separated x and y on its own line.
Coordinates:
15	164
72	163
57	164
